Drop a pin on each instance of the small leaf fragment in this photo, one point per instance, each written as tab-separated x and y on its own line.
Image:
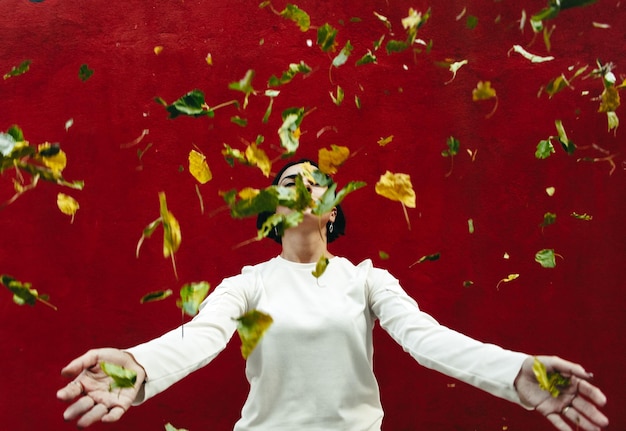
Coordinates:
507	279
156	296
18	70
320	266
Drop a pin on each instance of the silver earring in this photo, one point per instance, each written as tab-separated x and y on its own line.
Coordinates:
276	231
330	228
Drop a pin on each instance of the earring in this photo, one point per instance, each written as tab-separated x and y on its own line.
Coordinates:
331	227
276	231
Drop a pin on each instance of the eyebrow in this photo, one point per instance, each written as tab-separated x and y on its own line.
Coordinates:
288	177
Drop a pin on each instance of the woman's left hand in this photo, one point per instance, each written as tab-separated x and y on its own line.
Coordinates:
576	407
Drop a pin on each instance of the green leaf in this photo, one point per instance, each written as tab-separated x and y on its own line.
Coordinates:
429	257
544	149
548	219
191	296
22	292
191	104
122	377
18	70
170	427
156	296
280	222
330	199
396	46
297	15
546	258
342	57
244	85
326	35
251	327
552	382
453	147
84	72
289	131
368	58
320	266
339	98
471	22
289	74
585	217
566	143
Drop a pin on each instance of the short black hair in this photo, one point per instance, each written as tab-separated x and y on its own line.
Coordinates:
339	225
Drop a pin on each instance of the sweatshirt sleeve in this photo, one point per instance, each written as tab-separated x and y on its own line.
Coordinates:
174	355
485	366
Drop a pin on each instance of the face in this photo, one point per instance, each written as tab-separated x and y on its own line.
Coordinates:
288	179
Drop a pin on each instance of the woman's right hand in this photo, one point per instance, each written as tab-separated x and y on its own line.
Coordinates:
90	393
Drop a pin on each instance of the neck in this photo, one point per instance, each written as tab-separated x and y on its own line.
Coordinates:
304	247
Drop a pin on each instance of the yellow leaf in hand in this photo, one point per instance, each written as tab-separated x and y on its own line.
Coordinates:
199	168
330	160
396	187
67	204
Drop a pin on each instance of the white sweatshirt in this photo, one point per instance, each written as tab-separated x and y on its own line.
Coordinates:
312	370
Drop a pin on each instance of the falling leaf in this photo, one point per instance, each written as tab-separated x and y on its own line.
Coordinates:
453	145
552	382
339	98
483	91
397	187
199	168
326	35
289	74
158	49
544	149
546	258
566	143
532	57
18	70
22	292
367	58
191	296
122	377
67	205
331	160
289	132
470	226
383	255
170	427
84	72
428	257
508	279
209	59
585	217
454	68
320	266
343	55
255	156
384	141
548	219
191	104
156	296
550	191
245	86
69	123
52	157
297	15
251	327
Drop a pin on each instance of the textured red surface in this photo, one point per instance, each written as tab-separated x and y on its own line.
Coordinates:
89	268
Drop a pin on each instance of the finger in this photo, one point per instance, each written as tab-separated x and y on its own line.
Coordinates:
79	408
96	413
70	391
590	411
558	422
114	414
592	392
573	415
79	364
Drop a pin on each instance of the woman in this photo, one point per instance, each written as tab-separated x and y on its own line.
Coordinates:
312	370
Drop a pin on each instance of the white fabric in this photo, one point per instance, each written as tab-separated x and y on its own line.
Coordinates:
312	369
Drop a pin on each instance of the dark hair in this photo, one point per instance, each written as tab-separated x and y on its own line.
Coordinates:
339	225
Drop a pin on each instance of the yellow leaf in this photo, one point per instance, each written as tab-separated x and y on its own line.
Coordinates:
158	49
509	278
67	204
56	162
257	157
320	266
483	91
330	160
396	187
171	229
248	193
209	59
251	327
610	100
199	168
384	141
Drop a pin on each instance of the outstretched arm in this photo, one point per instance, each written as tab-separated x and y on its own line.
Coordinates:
90	393
576	407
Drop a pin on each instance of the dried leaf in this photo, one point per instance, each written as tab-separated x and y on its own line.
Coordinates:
251	327
331	160
67	205
199	168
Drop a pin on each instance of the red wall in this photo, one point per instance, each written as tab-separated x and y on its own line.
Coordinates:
89	268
